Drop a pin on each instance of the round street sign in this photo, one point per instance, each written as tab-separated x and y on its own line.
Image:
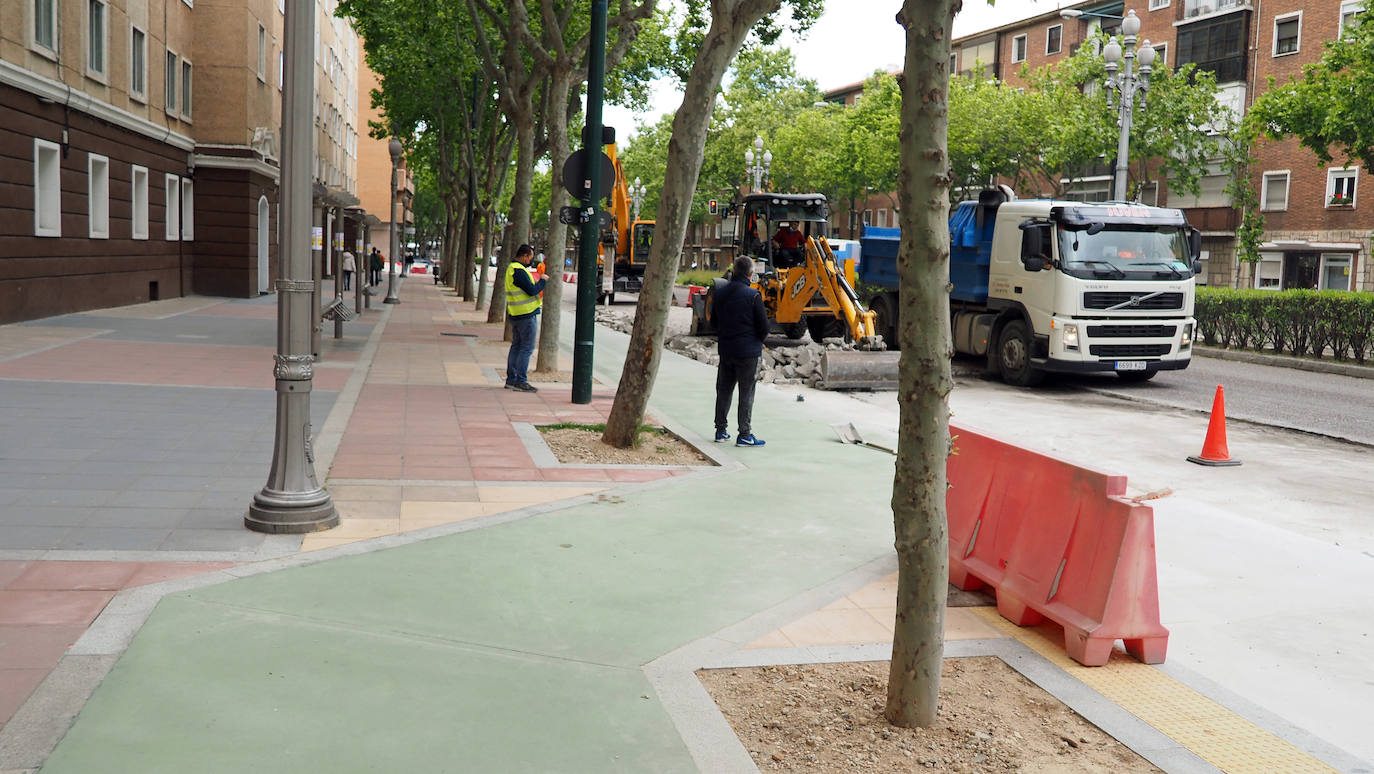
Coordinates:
575	179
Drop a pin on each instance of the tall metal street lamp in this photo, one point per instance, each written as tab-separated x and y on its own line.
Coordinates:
1124	86
756	163
637	192
394	148
293	501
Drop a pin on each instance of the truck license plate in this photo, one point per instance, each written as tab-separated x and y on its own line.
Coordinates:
1130	365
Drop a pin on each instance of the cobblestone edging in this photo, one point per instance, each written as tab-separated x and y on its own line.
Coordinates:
1285	361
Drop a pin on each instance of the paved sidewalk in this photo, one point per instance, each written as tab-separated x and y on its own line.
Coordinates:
481	607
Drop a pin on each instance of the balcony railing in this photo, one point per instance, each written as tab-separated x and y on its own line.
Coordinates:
1212	218
1193	8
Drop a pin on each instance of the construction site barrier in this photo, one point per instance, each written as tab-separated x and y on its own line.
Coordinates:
570	277
1055	540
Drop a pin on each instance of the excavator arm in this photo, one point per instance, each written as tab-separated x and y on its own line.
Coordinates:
822	265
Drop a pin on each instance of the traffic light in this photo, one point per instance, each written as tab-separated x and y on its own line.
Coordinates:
712	207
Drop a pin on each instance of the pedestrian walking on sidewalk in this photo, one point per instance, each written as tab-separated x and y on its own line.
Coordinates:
374	265
348	265
522	307
742	326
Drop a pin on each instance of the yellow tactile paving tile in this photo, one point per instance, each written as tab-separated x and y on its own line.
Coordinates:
838	623
1214	733
464	373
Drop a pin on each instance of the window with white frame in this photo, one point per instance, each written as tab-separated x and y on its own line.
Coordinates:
1287	32
1350	11
1269	271
1018	48
47	189
1211	190
173	67
138	210
1334	272
95	37
1274	191
98	195
868	217
1155	5
172	226
138	64
262	53
45	24
185	89
1340	186
1092	189
1054	39
1161	54
953	63
882	218
188	210
281	69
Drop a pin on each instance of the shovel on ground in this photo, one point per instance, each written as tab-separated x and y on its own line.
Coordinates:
848	433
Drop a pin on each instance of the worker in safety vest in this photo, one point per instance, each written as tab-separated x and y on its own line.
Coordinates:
522	307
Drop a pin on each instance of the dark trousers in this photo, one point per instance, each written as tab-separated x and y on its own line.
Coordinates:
347	279
523	331
732	372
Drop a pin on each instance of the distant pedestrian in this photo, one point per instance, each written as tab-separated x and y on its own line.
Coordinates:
522	307
374	265
348	265
742	325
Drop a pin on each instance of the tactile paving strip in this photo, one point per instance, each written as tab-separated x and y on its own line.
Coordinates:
1212	732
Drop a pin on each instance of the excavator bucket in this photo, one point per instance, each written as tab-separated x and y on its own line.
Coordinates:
843	369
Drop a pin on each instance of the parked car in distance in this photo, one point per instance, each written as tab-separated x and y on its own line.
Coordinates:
421	266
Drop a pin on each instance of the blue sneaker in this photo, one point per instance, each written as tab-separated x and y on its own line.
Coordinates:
748	440
722	436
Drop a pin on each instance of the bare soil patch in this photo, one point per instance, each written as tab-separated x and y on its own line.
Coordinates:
583	445
829	718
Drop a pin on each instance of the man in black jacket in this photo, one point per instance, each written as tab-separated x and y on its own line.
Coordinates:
742	325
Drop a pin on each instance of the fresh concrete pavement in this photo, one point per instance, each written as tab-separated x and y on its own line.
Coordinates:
560	637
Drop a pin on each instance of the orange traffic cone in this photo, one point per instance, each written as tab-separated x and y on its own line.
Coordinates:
1214	451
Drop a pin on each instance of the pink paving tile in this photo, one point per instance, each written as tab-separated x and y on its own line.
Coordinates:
575	474
506	474
36	647
9	570
52	607
454	473
500	460
75	576
156	572
15	687
637	475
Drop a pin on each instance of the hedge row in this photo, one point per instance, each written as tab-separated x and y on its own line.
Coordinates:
1295	322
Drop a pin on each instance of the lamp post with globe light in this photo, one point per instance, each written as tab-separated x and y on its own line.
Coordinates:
756	163
1120	54
637	192
394	148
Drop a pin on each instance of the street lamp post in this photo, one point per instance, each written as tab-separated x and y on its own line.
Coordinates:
637	192
1124	87
756	163
394	148
293	501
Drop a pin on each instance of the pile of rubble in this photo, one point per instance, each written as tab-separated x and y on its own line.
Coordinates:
793	363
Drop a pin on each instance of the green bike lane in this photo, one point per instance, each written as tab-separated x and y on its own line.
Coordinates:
513	647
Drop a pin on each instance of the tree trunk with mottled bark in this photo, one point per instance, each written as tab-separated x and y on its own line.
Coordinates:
918	492
560	86
731	21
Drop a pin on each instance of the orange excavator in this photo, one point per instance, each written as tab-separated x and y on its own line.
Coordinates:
628	240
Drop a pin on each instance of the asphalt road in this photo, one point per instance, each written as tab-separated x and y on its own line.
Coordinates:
1325	404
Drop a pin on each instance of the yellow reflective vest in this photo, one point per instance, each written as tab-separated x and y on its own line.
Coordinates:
518	302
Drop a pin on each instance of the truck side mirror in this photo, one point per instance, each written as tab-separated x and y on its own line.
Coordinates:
1195	244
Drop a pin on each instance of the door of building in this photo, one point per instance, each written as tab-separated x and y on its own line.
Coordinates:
1300	271
262	245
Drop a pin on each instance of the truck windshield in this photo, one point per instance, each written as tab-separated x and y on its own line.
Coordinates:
1125	252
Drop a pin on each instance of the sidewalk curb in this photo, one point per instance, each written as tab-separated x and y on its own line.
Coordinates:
1285	361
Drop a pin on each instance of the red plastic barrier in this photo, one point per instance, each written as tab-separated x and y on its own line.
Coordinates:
570	277
1056	541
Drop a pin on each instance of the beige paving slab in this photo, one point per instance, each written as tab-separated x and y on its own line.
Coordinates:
368	509
441	511
532	494
360	492
460	493
464	373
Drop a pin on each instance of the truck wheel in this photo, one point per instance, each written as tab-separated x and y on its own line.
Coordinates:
794	330
886	321
1014	356
1132	377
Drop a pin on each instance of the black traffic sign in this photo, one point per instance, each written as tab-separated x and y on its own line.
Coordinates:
575	178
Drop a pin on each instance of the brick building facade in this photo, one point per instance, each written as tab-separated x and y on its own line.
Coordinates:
1318	232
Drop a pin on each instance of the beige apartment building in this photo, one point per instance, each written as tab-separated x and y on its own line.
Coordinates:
139	147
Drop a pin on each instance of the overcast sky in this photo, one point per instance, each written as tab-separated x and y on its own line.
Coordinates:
851	40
